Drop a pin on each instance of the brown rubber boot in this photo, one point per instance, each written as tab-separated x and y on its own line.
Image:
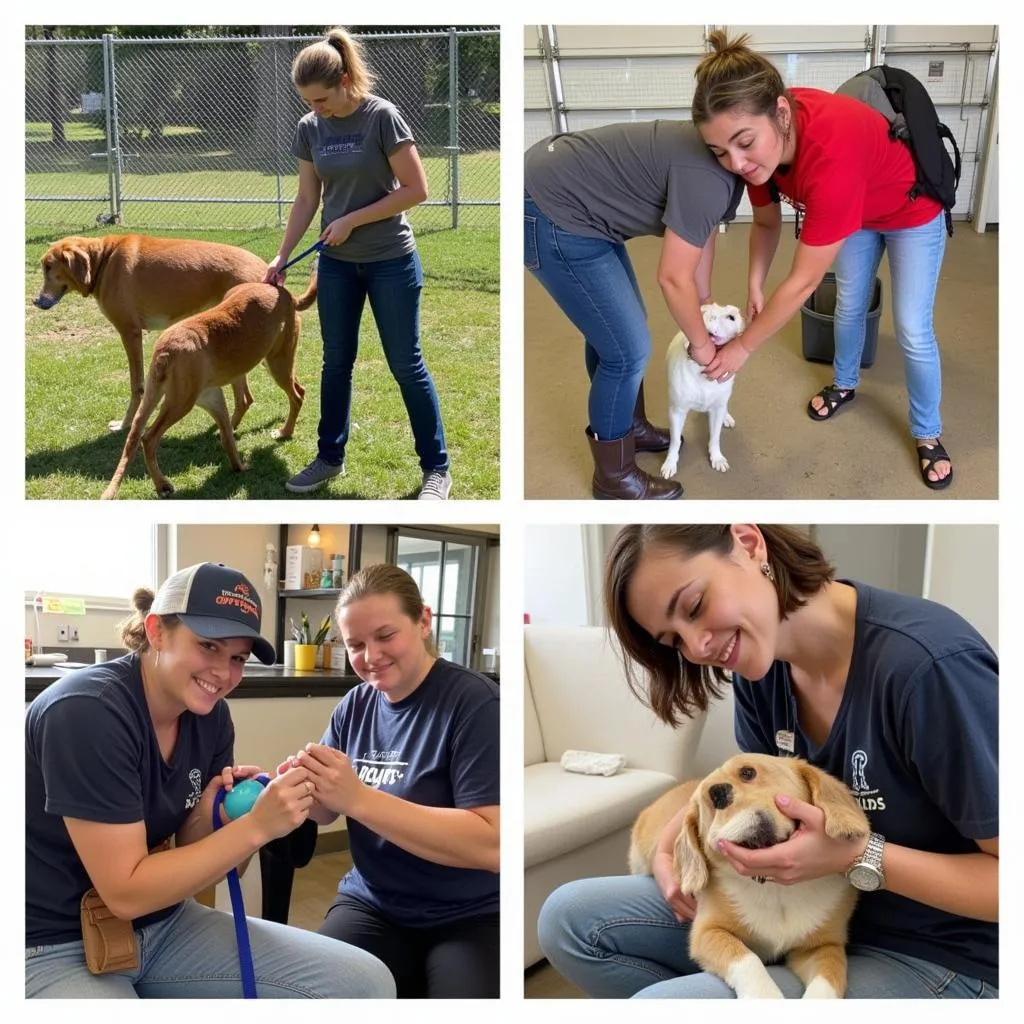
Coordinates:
616	474
646	436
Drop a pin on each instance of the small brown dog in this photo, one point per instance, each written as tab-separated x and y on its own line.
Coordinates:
194	359
142	284
743	923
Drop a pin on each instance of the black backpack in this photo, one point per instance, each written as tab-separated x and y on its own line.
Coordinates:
904	102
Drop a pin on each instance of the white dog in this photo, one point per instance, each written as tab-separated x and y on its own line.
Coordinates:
689	390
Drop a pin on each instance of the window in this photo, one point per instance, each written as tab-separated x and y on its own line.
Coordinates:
95	561
450	571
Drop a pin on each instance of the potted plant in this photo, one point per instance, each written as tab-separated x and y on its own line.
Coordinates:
307	643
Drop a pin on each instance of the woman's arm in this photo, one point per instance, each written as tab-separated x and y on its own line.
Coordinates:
454	836
411	191
809	265
963	883
133	882
966	884
680	267
764	240
307	202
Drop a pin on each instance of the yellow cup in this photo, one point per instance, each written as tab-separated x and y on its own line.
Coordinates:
305	657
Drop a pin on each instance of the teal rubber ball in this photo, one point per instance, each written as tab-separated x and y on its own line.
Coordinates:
241	798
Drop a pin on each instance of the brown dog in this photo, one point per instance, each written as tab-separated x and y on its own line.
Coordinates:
142	284
743	923
194	359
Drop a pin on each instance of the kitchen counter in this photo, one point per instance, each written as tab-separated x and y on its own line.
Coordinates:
258	681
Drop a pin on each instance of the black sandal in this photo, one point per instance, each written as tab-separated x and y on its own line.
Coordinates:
833	398
929	454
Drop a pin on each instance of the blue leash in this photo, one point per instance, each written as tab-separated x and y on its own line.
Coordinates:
315	247
238	908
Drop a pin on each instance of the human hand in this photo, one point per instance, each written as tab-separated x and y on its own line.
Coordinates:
337	231
667	877
273	275
224	780
727	362
755	303
284	804
336	786
808	853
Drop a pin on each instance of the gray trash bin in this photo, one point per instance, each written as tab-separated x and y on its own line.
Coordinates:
817	316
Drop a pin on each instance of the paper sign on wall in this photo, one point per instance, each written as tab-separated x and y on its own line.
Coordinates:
63	605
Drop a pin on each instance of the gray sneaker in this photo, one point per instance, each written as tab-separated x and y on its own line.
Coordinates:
313	476
436	485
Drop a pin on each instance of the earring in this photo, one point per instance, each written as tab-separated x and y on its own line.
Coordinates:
767	572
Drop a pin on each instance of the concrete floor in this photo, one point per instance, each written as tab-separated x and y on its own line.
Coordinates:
775	451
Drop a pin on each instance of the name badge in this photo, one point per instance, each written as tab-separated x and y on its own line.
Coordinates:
785	741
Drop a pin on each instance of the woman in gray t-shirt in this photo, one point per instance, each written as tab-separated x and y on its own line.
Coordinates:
356	153
587	193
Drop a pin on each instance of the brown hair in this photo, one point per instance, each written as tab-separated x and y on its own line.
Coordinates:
675	688
386	579
734	77
324	63
133	628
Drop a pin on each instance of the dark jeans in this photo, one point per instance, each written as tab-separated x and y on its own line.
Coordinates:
594	284
393	288
458	960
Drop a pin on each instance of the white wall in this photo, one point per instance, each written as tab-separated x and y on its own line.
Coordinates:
555	589
962	572
891	557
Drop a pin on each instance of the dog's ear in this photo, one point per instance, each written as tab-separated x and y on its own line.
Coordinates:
79	267
691	864
844	818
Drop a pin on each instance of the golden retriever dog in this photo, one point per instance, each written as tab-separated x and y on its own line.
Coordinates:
743	923
143	284
194	359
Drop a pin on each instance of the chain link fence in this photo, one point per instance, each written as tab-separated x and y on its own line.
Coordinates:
196	133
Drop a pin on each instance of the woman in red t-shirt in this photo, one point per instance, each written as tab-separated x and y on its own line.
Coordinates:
832	159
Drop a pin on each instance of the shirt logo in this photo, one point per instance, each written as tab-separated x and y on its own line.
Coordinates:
869	799
343	145
195	778
380	768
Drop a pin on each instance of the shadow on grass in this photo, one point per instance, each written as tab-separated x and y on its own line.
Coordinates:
264	479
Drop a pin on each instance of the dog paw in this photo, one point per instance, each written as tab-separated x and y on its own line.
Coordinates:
728	421
819	988
720	463
668	468
115	425
165	490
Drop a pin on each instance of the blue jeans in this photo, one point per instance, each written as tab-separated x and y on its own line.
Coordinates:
593	283
193	955
393	288
617	938
915	257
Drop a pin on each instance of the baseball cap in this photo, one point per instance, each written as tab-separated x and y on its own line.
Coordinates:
215	602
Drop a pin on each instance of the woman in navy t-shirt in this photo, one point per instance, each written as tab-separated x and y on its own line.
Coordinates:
895	695
123	757
411	759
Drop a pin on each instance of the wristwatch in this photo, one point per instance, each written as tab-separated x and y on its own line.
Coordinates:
866	873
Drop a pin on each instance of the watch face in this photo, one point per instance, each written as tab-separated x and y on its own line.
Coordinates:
862	876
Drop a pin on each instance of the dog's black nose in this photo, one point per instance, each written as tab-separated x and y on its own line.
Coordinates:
721	795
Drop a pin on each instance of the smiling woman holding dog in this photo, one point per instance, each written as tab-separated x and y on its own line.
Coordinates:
123	757
896	696
356	153
587	193
854	191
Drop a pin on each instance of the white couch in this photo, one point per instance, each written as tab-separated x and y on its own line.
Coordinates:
577	698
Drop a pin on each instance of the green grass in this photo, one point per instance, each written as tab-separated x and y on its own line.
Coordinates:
76	379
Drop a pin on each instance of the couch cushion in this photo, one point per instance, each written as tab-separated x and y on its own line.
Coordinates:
533	741
563	811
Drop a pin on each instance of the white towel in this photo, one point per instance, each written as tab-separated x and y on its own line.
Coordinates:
586	762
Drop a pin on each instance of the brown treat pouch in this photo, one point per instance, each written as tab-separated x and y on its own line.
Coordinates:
109	942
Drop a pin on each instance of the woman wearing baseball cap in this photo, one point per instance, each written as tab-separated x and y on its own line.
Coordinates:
121	758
